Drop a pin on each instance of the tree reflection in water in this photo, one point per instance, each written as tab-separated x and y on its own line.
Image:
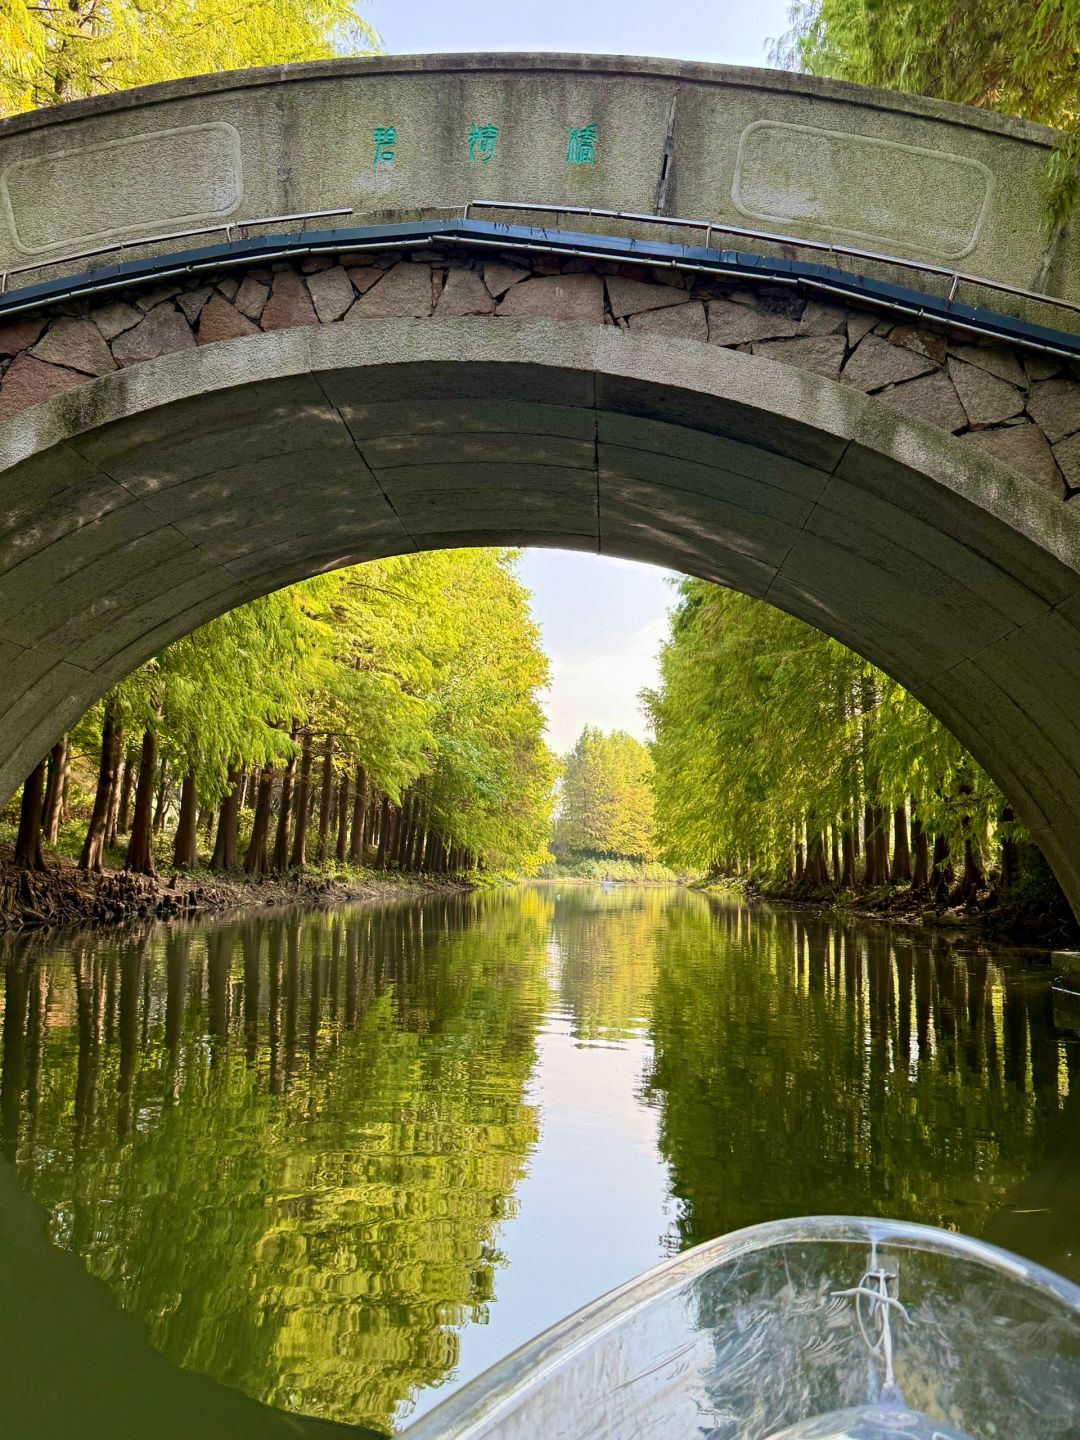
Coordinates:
290	1143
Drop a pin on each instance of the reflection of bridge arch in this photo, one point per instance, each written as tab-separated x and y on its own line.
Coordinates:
430	382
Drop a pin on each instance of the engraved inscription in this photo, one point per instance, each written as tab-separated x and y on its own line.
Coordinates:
868	189
72	198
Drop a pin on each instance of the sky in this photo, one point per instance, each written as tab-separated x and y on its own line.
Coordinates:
603	620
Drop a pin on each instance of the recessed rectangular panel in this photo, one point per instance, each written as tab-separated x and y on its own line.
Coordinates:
76	197
861	187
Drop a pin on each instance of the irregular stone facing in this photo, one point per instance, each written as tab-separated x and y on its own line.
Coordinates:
1019	406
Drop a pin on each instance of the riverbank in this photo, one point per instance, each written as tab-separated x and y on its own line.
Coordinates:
1040	924
64	895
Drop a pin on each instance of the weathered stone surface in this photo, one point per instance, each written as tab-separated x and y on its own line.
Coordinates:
731	323
19	334
821	319
28	382
877	363
1067	455
363	277
558	297
464	294
229	286
1022	448
331	292
631	297
999	360
923	342
677	322
823	354
1055	407
1040	367
191	303
289	304
404	290
114	319
76	344
931	398
222	321
499	277
251	297
986	399
157	295
163	331
858	326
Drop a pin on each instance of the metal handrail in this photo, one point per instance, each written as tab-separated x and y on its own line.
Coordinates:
227	227
955	277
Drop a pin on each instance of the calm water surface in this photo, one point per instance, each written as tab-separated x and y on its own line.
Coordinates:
344	1160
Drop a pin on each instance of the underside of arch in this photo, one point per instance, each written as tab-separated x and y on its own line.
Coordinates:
143	504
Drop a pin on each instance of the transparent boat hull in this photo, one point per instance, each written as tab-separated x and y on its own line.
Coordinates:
747	1338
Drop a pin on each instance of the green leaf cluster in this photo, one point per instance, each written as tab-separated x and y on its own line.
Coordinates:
606	798
768	731
52	52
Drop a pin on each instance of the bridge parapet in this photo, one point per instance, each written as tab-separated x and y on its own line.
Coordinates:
386	139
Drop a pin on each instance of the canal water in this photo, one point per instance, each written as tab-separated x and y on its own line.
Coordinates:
343	1160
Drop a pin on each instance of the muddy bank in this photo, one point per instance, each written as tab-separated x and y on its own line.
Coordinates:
65	895
988	916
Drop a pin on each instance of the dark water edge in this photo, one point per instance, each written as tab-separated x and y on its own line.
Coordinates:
339	1160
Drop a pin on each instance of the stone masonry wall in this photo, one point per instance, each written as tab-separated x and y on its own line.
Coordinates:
1021	407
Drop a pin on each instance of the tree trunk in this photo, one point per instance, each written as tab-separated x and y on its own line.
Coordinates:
303	807
140	854
384	834
28	854
325	799
356	837
162	803
901	863
920	870
341	846
972	879
281	841
59	758
112	818
227	845
256	859
941	876
123	815
847	848
185	841
94	844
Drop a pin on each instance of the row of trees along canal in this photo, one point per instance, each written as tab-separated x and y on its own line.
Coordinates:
386	713
784	757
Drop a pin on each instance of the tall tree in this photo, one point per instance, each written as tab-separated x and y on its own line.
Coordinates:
66	51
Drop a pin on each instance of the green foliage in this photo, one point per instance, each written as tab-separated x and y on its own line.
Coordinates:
1007	55
606	798
423	670
767	730
50	53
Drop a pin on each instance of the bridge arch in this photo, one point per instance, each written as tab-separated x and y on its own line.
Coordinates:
837	418
177	489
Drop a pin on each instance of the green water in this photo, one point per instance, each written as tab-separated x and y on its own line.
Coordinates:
341	1161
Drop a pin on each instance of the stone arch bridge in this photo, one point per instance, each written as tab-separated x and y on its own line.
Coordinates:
800	338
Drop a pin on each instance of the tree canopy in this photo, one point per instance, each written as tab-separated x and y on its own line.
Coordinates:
1007	55
50	53
772	739
605	798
